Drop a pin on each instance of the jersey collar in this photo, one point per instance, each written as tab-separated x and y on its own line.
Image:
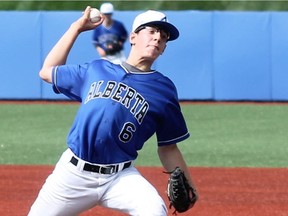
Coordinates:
131	69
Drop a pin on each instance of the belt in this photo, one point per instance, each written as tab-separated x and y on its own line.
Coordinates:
105	169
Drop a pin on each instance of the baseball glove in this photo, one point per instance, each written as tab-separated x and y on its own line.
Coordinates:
113	47
180	194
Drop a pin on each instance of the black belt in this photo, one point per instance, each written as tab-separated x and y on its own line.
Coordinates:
109	169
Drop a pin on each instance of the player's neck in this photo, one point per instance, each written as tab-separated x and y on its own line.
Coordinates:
108	22
141	65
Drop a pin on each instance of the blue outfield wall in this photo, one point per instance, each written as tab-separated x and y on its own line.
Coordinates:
219	55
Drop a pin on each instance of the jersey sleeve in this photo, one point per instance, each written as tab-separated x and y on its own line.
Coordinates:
172	126
68	80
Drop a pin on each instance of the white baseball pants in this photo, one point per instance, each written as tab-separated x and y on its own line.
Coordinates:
69	191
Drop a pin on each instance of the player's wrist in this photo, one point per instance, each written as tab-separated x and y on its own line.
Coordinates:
75	28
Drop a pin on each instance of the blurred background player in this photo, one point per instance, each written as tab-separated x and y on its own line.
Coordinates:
109	38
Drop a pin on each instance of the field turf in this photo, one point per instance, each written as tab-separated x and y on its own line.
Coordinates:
222	134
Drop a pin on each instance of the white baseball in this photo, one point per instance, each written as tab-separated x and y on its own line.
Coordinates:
95	15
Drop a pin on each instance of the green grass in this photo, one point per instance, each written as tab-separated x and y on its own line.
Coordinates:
34	133
148	4
237	135
222	135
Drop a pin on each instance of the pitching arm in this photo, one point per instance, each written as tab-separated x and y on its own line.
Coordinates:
59	53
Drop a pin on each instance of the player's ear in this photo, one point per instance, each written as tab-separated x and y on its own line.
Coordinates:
132	38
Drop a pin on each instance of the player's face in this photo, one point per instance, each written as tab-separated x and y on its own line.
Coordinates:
107	16
151	41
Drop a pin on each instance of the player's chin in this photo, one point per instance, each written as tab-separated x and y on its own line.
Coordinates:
154	51
150	58
153	55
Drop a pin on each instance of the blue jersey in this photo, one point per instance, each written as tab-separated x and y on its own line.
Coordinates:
119	111
114	33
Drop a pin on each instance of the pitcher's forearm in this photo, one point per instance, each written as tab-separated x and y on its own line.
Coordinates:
58	55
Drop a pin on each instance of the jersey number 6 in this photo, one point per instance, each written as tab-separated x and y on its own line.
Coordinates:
126	133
